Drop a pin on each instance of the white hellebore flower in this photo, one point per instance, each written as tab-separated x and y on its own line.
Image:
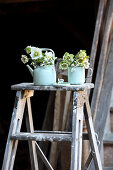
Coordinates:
49	54
36	53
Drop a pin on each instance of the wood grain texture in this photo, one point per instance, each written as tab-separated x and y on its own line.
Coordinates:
46	135
92	137
102	61
57	124
47	124
30	86
15	126
66	109
77	126
42	137
105	96
95	39
30	128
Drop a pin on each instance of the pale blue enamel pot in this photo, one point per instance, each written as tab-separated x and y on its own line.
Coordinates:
76	75
43	75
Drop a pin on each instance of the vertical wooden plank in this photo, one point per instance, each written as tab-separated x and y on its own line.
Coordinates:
54	146
106	90
66	109
93	54
95	38
47	124
85	147
105	96
15	126
30	128
102	61
66	147
77	126
57	125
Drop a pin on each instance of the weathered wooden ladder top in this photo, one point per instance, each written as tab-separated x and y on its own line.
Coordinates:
80	99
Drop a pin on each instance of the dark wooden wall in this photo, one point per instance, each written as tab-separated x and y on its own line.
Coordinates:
63	25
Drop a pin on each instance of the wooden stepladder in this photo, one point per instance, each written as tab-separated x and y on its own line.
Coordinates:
79	96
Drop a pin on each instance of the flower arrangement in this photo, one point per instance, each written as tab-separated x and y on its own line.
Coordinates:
37	57
79	60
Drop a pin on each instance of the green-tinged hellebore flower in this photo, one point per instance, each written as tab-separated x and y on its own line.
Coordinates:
24	59
79	60
68	57
63	65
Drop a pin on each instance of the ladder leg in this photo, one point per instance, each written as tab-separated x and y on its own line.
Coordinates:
16	121
92	137
32	145
77	127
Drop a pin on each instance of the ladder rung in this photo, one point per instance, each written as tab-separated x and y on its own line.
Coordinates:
42	137
52	132
67	137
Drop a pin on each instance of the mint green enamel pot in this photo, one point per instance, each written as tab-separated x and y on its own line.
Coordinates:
43	75
76	75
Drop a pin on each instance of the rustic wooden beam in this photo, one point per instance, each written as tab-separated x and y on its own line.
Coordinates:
102	61
92	137
30	128
93	55
77	125
57	123
104	98
15	126
66	109
47	124
30	86
95	38
66	147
